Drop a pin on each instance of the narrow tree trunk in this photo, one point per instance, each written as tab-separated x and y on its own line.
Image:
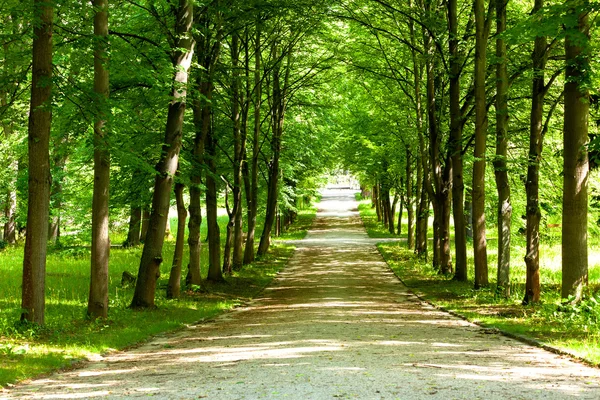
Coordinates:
385	204
40	119
458	186
479	236
423	221
533	213
403	202
174	285
149	270
469	214
377	202
10	210
576	168
239	149
145	223
228	236
445	208
253	198
133	233
409	201
500	164
59	161
10	196
98	298
215	273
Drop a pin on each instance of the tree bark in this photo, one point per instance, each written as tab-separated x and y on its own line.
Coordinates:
253	197
479	236
40	120
227	267
500	163
133	233
576	167
458	186
145	223
278	110
149	270
56	189
174	285
215	273
239	149
409	201
533	213
98	297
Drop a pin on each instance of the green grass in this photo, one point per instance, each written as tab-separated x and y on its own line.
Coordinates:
575	329
68	337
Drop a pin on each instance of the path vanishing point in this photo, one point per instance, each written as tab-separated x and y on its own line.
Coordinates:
335	324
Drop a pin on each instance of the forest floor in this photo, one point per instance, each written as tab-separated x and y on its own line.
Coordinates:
336	323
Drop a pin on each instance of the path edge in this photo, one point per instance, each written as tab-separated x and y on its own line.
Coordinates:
493	329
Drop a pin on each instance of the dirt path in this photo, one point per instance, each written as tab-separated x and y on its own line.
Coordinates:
335	324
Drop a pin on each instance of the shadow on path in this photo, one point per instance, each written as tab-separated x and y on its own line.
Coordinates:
336	323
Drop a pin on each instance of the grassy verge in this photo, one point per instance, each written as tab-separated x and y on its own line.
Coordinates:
574	329
68	337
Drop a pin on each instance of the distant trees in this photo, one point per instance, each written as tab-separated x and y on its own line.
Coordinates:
528	73
403	94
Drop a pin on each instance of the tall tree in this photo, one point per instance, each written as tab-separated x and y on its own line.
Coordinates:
239	150
532	185
278	107
456	131
576	167
252	196
98	298
181	58
208	37
500	161
479	237
33	301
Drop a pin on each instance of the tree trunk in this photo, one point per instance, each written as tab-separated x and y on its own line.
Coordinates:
10	210
10	196
500	164
133	233
239	149
253	197
445	200
385	204
403	202
469	214
98	298
174	285
479	237
377	201
458	186
207	55
279	106
533	213
576	168
56	190
228	236
40	120
215	273
145	224
409	201
149	270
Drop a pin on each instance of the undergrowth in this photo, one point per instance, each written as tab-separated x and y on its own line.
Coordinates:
27	350
572	327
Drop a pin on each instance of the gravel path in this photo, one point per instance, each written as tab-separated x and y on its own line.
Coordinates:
335	324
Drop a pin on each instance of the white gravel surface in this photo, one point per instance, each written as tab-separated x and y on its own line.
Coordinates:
335	324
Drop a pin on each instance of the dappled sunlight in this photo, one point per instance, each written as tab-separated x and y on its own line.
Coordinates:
335	323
